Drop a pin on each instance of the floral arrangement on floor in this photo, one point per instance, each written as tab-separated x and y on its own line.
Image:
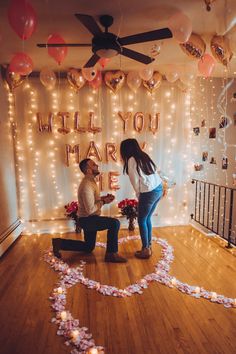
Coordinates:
71	212
129	208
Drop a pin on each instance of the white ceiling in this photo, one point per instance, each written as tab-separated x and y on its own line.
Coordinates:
130	17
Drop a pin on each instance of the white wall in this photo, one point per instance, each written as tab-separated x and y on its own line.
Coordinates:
10	226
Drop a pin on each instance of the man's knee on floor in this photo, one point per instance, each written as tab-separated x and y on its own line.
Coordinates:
115	223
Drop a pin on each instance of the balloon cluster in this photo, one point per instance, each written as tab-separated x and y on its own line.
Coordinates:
22	18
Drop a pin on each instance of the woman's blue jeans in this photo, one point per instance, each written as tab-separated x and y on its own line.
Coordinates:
147	204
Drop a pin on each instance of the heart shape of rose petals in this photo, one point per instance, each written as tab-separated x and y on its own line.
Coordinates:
78	336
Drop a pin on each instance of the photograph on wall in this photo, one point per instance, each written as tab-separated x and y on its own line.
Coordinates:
234	179
212	133
196	130
204	155
198	167
213	160
224	122
224	163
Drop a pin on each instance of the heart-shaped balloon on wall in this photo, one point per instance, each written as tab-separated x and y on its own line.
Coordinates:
114	80
75	79
153	84
11	79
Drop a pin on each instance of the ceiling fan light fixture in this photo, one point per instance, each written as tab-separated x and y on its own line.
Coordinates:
107	53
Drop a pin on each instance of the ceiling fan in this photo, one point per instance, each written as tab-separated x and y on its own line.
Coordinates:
106	44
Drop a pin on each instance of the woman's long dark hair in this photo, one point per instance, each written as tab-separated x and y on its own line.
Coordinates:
130	148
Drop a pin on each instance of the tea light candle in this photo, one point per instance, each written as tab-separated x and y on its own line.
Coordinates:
173	281
213	296
197	290
59	290
74	334
63	315
92	351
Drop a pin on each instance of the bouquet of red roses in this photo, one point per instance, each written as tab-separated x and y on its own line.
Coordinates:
129	208
71	212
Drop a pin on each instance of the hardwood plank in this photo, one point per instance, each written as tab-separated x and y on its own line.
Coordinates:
161	320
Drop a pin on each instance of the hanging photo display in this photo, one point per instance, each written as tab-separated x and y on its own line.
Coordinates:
224	163
212	133
196	131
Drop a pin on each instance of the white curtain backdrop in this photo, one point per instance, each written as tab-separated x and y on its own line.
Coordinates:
46	183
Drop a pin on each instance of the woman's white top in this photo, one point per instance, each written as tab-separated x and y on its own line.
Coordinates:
142	183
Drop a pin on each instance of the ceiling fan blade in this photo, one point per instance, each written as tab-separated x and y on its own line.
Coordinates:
89	22
162	33
92	61
136	56
45	45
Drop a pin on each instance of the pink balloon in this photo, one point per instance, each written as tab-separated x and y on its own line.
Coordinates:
103	62
180	26
96	83
206	64
22	18
21	64
57	53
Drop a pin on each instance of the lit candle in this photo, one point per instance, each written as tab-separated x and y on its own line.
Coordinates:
197	290
74	334
59	290
213	296
92	351
173	281
63	315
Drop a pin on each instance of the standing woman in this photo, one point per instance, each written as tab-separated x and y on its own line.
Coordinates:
148	187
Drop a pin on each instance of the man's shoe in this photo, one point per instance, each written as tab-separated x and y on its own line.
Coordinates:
56	243
114	258
145	253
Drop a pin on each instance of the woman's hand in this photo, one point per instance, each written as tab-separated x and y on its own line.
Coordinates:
165	188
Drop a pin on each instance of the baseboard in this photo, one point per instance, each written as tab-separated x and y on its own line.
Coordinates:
203	229
9	235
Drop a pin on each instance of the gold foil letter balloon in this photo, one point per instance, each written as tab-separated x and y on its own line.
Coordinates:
115	80
195	46
220	49
75	79
153	84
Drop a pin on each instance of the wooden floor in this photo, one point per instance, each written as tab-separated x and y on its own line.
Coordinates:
161	320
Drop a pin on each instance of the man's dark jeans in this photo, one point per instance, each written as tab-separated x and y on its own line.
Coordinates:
90	225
